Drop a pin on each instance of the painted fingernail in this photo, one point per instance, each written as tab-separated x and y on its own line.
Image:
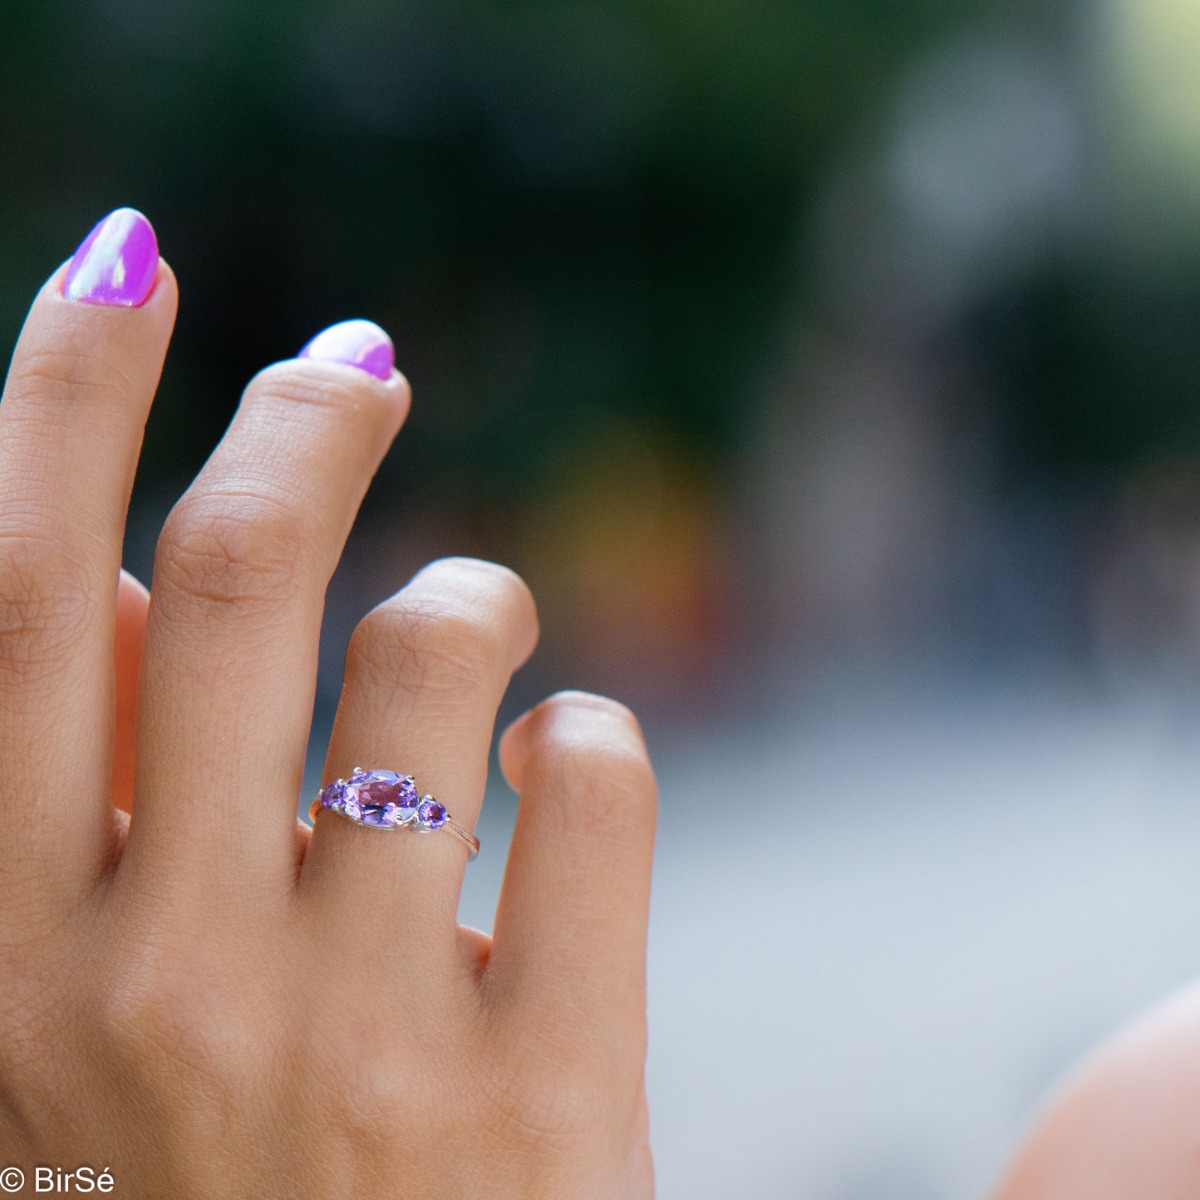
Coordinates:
117	262
358	343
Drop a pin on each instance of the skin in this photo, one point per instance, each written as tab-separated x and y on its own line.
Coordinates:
133	607
1126	1124
209	998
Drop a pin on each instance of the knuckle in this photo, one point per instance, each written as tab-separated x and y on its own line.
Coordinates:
595	769
305	390
610	795
365	1087
476	575
32	1011
124	1015
139	999
230	550
73	370
368	1090
486	587
44	601
551	1101
573	703
406	638
304	381
161	1006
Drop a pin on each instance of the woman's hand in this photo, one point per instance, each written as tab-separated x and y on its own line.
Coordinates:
1126	1126
205	999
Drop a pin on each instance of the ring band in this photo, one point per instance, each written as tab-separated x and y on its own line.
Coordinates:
387	800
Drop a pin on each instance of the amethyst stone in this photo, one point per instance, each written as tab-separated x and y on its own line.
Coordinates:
332	794
431	814
401	814
384	798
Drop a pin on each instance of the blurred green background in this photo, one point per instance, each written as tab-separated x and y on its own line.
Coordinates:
762	338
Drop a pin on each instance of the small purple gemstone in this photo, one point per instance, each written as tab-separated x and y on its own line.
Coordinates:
431	814
407	796
333	793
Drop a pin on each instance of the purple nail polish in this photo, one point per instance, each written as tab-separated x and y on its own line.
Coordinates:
358	343
117	262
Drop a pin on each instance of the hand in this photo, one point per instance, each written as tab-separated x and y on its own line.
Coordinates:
205	999
1124	1127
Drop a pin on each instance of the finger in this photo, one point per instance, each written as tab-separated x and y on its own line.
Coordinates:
230	663
425	674
75	404
570	936
133	605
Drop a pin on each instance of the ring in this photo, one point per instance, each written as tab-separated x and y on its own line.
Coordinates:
386	800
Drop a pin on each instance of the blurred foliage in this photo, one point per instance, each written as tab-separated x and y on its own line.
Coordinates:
551	206
1098	368
589	228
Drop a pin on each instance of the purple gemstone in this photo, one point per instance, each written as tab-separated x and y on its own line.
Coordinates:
350	805
333	793
431	814
376	788
407	796
381	793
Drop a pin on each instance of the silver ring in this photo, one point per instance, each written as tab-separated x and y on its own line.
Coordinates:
382	799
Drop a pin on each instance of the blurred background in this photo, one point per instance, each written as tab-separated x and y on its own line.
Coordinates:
831	372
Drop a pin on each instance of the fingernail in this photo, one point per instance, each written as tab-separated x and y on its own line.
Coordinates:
117	262
358	343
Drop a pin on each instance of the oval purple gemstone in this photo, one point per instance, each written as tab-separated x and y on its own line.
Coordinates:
380	793
431	814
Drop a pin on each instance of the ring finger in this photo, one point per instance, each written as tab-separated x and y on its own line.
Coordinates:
425	674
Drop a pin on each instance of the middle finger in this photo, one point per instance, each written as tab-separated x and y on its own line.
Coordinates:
230	660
